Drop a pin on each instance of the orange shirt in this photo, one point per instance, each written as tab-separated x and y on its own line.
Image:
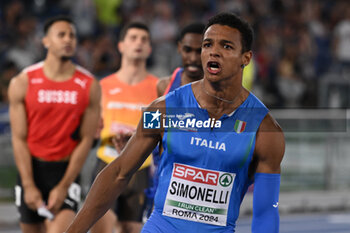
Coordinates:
54	111
121	110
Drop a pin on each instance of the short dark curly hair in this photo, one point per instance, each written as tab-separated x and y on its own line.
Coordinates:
234	21
196	28
55	19
137	25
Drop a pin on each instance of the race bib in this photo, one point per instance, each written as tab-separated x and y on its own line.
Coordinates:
199	195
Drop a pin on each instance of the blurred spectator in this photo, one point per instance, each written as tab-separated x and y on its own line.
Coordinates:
84	52
138	10
27	48
290	83
83	13
282	77
108	13
163	30
318	27
8	71
10	16
342	40
104	56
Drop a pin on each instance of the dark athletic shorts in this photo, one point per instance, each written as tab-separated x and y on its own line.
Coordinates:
46	176
131	204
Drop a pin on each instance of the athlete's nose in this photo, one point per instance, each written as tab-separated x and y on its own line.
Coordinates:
68	38
214	51
139	41
194	57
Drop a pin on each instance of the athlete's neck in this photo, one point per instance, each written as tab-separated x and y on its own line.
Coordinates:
186	79
132	72
57	69
219	99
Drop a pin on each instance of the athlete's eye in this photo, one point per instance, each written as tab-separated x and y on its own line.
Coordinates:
72	35
144	39
186	49
133	38
206	45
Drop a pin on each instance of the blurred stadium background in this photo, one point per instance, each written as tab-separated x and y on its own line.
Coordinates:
301	70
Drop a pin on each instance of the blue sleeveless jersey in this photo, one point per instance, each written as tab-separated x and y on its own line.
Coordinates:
175	81
203	172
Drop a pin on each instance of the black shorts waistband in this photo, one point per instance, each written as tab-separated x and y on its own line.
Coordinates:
48	164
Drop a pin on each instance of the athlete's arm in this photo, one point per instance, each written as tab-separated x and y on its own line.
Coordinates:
113	179
269	151
269	146
162	85
88	128
23	159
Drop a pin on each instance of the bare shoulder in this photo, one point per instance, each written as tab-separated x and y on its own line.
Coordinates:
18	87
269	124
158	103
269	146
162	85
95	90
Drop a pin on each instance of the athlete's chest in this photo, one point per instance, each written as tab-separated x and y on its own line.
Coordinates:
223	149
116	98
45	96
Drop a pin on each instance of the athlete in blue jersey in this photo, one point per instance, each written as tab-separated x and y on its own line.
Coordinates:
189	47
225	141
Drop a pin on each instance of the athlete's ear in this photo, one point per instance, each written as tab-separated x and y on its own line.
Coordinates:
150	51
45	42
246	57
179	44
120	46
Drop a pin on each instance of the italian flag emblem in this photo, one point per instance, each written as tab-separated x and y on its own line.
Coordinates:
240	126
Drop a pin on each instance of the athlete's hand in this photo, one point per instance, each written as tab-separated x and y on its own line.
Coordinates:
120	140
33	197
56	198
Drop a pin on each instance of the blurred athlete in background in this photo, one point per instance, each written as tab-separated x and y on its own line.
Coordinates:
189	47
124	93
54	110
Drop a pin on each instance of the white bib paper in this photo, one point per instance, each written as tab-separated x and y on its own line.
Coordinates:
199	195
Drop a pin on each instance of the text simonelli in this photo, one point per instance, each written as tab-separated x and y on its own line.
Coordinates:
191	123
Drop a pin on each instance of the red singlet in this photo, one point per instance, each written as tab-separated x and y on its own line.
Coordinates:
54	112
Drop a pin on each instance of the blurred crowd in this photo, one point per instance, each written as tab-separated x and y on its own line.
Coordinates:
297	42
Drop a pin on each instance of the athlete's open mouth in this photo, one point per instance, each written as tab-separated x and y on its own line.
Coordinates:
213	67
193	68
